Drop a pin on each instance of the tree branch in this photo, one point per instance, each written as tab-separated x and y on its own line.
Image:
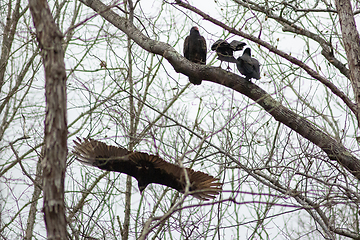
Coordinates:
334	150
290	26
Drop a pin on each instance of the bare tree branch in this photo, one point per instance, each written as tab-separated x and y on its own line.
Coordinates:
290	26
34	201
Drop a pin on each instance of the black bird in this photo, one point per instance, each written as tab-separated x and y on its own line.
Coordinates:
248	66
145	168
225	51
195	50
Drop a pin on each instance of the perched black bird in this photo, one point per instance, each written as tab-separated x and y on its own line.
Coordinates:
145	168
248	66
195	50
225	50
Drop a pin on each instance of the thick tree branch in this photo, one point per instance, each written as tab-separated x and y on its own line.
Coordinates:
327	49
55	148
334	150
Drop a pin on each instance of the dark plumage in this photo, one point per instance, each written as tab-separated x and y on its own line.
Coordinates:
145	168
237	45
225	51
195	50
248	66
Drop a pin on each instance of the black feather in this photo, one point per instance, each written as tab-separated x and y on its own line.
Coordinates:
145	168
225	51
195	50
248	66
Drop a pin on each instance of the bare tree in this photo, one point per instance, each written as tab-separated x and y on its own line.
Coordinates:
285	146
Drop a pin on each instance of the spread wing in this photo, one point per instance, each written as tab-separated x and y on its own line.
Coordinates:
103	156
237	45
224	51
202	185
145	168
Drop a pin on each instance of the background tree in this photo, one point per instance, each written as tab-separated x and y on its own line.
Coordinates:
285	146
55	135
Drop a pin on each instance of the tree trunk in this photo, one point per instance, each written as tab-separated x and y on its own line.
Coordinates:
54	162
351	43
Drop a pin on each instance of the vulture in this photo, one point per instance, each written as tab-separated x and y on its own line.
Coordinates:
195	50
225	50
248	66
145	168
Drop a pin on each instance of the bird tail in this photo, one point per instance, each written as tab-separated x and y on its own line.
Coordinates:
227	58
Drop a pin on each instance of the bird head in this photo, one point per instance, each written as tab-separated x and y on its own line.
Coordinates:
247	51
141	187
194	30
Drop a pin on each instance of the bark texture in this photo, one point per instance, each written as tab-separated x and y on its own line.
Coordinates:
55	139
352	47
334	149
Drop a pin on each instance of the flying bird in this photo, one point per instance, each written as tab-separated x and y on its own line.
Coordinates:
145	168
225	50
195	50
248	66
